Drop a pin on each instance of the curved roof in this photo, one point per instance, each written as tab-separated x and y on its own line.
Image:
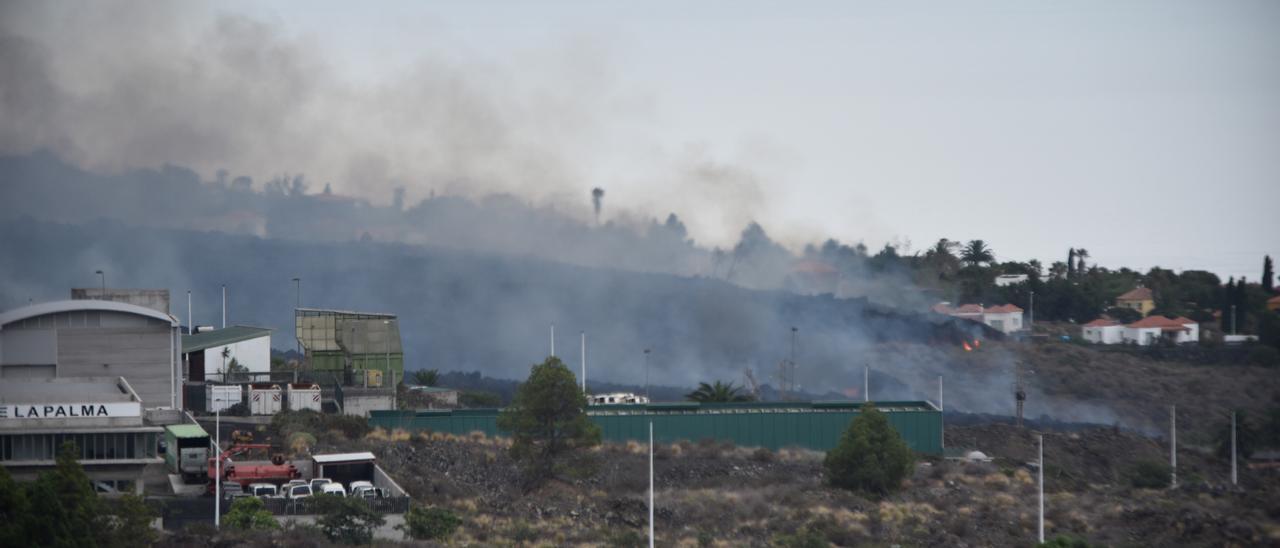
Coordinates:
54	307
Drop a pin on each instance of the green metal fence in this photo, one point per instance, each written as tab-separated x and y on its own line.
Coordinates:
812	425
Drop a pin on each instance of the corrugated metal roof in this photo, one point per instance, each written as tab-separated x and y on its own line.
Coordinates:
187	431
344	457
222	337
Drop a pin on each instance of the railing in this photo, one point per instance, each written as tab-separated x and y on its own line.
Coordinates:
307	506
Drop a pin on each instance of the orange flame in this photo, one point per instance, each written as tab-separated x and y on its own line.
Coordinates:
977	343
967	348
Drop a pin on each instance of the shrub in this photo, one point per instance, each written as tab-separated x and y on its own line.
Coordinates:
1149	474
870	455
347	520
547	422
432	523
762	454
627	538
249	514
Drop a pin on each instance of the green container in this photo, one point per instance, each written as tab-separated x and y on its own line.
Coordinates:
775	425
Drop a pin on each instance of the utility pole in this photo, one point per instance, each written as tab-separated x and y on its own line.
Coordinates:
651	484
1233	448
941	427
646	375
791	377
217	467
553	340
584	362
1041	474
1173	446
866	383
297	303
224	306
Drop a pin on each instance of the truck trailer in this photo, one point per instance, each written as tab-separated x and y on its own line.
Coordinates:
186	450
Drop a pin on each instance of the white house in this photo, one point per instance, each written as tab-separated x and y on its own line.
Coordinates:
1150	330
1005	318
209	354
1010	279
1103	331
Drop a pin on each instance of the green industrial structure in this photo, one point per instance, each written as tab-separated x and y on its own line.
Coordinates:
350	348
775	425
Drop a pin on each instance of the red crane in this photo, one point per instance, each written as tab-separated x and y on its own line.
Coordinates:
278	471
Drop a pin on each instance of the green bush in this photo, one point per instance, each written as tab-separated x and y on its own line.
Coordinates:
1149	474
870	456
249	514
347	520
432	523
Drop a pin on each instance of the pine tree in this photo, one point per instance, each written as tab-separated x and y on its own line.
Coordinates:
1268	275
871	456
547	421
1071	263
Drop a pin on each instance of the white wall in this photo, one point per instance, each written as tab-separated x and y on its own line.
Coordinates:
1109	334
255	354
1142	336
1008	322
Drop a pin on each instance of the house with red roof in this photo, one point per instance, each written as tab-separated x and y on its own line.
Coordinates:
1005	318
1152	329
1103	331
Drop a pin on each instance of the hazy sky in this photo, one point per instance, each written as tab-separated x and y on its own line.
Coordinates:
1146	132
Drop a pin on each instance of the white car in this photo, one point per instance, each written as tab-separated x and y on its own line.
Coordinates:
364	489
297	491
332	488
264	490
316	483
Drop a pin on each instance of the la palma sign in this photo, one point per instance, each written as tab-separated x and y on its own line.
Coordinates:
69	410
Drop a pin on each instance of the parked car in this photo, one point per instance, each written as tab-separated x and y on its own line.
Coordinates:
364	489
264	490
231	489
297	491
332	488
317	482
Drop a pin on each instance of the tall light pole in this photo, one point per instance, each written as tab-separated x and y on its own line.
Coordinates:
217	466
866	383
941	427
297	303
646	374
553	340
104	285
584	362
651	484
792	380
1040	470
1173	446
224	306
1233	448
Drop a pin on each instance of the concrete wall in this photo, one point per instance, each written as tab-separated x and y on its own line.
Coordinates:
255	354
361	404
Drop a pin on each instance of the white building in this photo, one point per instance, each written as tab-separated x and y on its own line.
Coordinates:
1005	318
1147	331
1010	279
210	353
90	338
1103	331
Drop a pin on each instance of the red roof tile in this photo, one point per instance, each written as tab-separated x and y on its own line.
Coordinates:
1160	321
1102	322
1136	294
1002	309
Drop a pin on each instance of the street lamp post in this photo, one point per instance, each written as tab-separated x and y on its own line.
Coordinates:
104	283
297	303
646	374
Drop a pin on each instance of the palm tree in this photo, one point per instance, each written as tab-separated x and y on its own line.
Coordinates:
717	393
1081	255
426	377
977	252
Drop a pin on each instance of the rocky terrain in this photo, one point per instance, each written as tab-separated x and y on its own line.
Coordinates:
710	494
